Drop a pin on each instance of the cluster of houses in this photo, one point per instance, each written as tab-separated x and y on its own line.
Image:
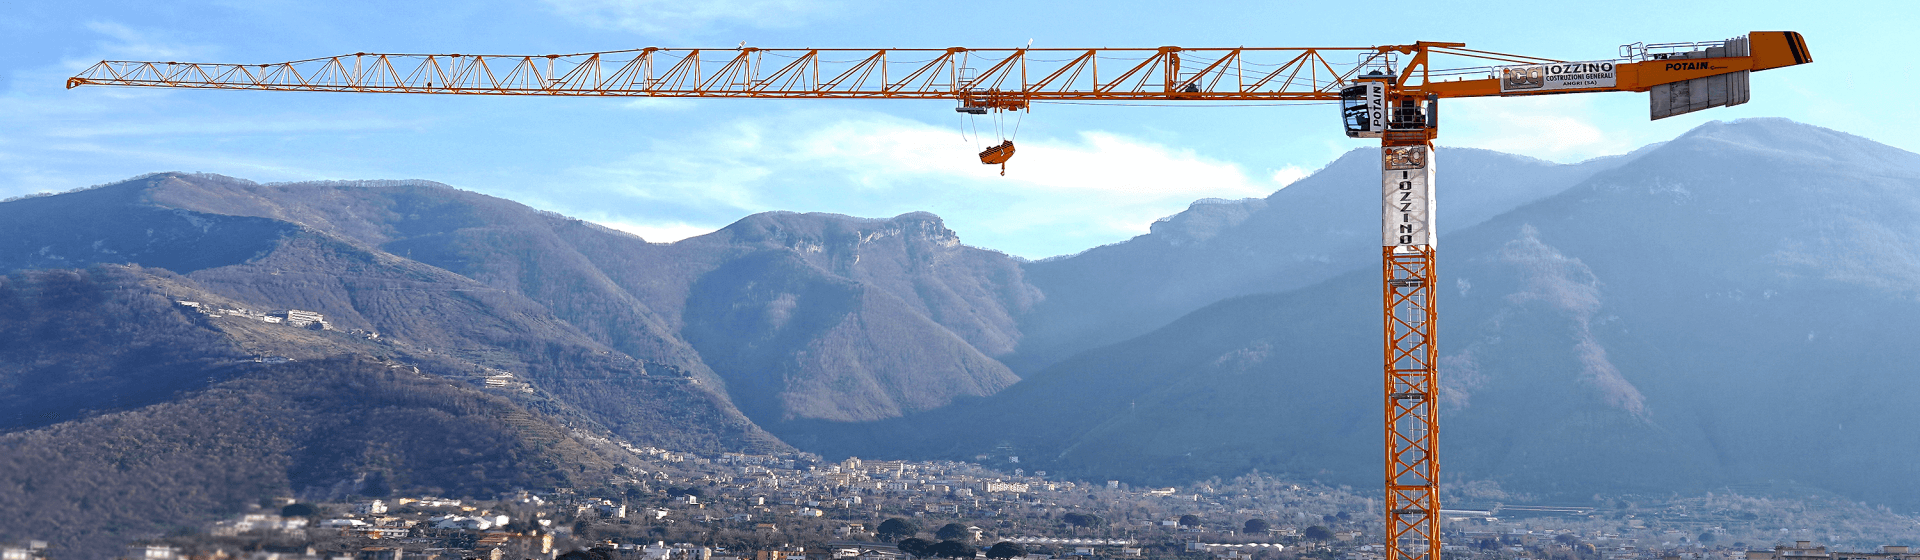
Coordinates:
769	495
795	506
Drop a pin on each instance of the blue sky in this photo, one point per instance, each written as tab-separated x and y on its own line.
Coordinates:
663	169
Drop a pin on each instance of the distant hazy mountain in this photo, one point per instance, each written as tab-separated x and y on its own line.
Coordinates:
1320	226
1731	308
789	316
425	315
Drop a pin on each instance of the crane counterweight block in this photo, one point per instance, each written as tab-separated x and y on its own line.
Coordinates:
1760	50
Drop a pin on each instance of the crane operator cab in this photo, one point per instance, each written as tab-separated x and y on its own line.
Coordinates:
1363	105
1368	111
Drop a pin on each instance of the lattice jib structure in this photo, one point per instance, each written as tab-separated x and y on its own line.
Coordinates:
1000	79
991	78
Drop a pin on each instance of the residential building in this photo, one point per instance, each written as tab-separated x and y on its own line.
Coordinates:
1805	550
306	319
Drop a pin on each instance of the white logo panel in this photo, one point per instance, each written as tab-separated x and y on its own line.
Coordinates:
1406	209
1557	76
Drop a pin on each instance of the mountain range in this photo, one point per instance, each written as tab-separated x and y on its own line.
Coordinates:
1728	308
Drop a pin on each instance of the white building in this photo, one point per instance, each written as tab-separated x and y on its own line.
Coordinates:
34	550
303	319
152	552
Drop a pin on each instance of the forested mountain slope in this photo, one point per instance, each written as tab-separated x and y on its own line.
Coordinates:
421	313
1319	227
1730	308
847	318
134	416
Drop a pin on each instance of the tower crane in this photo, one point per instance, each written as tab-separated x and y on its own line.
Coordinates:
1388	92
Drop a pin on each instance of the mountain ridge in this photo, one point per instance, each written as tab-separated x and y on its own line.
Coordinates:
1314	229
612	288
1615	337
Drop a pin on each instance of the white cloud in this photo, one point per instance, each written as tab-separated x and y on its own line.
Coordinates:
1287	175
1059	194
659	232
880	152
1562	128
680	18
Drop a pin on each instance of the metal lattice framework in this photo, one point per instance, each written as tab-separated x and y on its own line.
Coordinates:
1412	422
996	78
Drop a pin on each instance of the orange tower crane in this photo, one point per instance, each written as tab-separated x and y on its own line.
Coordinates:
1388	92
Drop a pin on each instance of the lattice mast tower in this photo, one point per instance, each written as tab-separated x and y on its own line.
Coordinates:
1379	97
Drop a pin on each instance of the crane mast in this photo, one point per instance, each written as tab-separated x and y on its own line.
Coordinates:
1379	97
1408	242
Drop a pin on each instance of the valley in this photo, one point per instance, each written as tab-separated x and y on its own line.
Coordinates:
1717	314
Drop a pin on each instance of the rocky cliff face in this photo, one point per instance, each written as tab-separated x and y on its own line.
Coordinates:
828	317
976	293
